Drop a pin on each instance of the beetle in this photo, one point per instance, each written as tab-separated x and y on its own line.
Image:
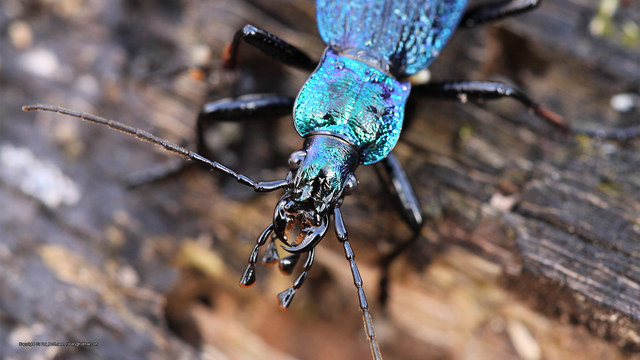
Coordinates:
350	112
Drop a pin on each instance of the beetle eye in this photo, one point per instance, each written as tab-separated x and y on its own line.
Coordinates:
350	185
296	158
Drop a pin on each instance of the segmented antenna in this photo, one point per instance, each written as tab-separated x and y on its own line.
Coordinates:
260	186
341	234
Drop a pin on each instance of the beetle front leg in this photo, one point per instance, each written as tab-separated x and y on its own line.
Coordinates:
270	45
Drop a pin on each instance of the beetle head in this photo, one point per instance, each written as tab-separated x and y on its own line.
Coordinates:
322	175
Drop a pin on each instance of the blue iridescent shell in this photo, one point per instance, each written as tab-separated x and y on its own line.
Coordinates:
355	101
401	37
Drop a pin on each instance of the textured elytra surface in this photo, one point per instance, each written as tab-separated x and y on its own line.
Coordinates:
99	269
402	37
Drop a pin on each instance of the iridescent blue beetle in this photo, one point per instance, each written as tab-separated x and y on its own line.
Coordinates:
349	112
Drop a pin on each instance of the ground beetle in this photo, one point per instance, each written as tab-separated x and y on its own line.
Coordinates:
350	112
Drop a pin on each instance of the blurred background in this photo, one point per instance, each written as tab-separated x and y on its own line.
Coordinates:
531	244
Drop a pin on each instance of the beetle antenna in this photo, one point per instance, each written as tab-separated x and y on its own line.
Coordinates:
341	234
259	186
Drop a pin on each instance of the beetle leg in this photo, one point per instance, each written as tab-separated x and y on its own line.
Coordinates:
246	107
270	45
392	174
267	43
496	10
486	90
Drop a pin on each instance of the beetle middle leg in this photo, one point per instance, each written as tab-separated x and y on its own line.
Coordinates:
496	10
486	90
246	107
392	174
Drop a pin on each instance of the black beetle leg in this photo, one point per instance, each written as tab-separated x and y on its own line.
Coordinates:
394	177
392	174
246	107
262	40
496	10
270	45
486	90
341	233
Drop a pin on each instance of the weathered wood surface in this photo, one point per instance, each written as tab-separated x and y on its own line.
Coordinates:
532	248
